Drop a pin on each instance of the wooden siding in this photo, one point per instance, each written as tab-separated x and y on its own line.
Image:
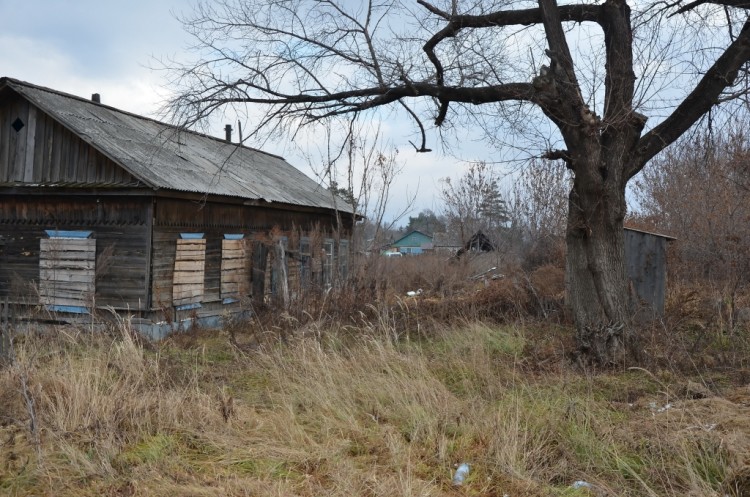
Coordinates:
120	226
173	216
45	152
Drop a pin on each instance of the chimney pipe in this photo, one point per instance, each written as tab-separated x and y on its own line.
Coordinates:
228	131
96	98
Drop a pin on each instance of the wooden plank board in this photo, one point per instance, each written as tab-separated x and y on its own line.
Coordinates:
67	264
28	170
193	255
72	286
185	286
178	293
68	244
189	266
61	252
64	258
233	254
188	278
187	295
233	276
64	301
233	264
67	274
188	244
65	294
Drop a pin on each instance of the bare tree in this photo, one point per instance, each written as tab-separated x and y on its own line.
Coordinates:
700	193
606	67
537	208
474	202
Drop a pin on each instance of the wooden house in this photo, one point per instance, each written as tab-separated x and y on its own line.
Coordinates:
103	208
413	243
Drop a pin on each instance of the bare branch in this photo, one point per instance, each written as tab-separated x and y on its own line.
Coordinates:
721	76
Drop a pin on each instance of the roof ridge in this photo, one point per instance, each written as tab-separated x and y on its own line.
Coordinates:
5	80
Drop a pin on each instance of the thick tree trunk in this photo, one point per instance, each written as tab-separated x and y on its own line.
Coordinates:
597	282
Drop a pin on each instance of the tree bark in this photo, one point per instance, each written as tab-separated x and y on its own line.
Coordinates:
597	282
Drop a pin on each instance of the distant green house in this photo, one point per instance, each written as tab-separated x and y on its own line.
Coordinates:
414	242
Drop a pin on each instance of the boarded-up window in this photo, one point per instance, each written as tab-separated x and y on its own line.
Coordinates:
67	271
189	271
234	269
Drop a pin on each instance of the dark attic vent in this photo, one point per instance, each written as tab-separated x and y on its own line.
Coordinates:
17	124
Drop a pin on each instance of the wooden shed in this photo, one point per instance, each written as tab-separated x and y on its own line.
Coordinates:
104	208
646	264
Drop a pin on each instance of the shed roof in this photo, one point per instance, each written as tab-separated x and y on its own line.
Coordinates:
163	156
661	235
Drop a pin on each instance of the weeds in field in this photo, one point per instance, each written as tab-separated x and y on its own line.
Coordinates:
356	410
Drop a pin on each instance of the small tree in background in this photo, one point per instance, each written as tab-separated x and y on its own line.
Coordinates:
538	211
427	222
474	203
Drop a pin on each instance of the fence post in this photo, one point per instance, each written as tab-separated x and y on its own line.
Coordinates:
6	345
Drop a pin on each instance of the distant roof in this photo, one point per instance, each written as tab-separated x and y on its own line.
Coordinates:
163	156
412	236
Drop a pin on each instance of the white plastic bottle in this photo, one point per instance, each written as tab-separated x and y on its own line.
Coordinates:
461	473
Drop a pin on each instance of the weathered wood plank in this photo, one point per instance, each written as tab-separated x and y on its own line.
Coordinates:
67	274
61	287
233	264
28	169
64	293
234	276
68	244
187	293
68	264
181	278
192	255
181	287
188	266
64	301
191	244
67	256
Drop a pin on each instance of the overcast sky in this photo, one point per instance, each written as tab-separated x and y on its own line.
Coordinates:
85	46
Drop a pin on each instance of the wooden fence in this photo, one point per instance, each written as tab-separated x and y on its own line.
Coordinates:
6	328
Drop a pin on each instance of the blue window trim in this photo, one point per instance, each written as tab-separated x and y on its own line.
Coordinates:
67	234
72	309
187	307
191	236
230	300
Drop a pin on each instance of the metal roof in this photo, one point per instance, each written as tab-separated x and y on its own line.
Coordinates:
167	157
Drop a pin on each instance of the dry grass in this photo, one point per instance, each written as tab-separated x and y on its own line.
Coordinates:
362	410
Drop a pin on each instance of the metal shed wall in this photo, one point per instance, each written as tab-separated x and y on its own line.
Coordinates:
646	263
